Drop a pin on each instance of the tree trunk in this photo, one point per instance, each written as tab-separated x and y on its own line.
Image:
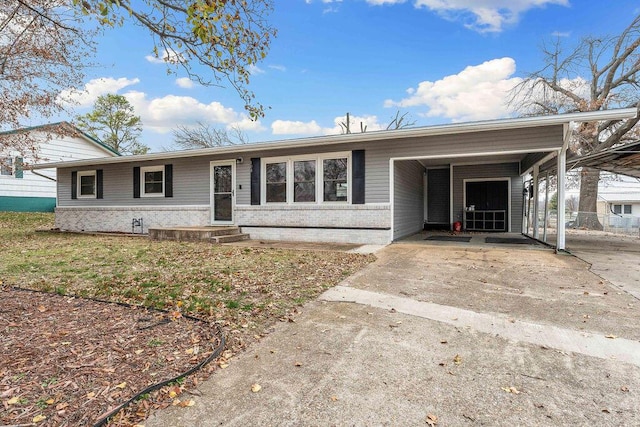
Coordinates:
587	208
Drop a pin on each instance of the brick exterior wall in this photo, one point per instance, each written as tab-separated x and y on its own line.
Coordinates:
364	224
347	216
118	219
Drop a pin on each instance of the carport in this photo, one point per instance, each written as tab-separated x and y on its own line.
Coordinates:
540	166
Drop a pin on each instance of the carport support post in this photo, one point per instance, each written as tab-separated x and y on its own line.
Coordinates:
562	168
546	207
536	173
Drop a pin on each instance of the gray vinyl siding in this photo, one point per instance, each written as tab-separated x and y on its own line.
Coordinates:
510	170
190	184
191	175
408	198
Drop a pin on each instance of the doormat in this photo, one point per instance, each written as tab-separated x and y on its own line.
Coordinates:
447	238
510	240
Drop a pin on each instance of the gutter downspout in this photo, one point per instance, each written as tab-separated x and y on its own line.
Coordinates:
562	169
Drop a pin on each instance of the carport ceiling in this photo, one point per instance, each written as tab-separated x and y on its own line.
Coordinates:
624	160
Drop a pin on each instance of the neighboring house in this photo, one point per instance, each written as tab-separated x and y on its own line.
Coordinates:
26	190
372	187
619	209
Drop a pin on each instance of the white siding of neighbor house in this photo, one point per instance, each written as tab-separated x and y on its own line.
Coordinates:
511	170
53	150
408	198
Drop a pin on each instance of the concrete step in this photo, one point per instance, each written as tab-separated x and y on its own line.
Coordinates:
193	233
230	238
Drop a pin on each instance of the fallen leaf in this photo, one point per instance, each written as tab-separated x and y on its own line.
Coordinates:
42	309
187	403
138	351
443	341
612	337
13	400
223	365
91	395
334	398
122	385
432	420
256	388
606	411
50	401
39	418
624	388
511	390
298	364
457	359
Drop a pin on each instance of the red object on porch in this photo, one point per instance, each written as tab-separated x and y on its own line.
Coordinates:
457	226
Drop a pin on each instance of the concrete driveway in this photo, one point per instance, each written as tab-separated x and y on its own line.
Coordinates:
443	335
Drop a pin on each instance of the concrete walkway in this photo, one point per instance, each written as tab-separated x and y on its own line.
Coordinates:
448	335
589	344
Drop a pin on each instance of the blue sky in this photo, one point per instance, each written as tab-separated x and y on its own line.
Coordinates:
440	61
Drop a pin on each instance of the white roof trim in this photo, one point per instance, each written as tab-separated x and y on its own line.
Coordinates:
447	129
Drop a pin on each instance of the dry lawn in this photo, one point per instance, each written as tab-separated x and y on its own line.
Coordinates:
72	360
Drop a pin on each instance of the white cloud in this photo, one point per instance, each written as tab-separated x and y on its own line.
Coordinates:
476	93
290	127
185	82
278	67
93	89
479	15
561	33
246	124
254	69
356	124
164	57
164	114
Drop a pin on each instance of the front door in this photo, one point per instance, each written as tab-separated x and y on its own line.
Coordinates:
223	177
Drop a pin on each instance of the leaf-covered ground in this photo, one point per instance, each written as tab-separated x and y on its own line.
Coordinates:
242	289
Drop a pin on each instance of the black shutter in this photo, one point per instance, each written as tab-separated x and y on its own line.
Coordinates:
168	180
136	182
255	181
74	185
357	194
99	184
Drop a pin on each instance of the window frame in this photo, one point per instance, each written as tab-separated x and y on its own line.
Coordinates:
625	208
333	156
156	168
318	158
79	194
263	179
10	167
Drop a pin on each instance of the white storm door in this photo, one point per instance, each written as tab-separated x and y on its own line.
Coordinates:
223	197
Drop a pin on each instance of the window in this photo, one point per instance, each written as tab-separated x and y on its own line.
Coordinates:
87	184
152	181
304	181
335	173
6	166
276	182
622	209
